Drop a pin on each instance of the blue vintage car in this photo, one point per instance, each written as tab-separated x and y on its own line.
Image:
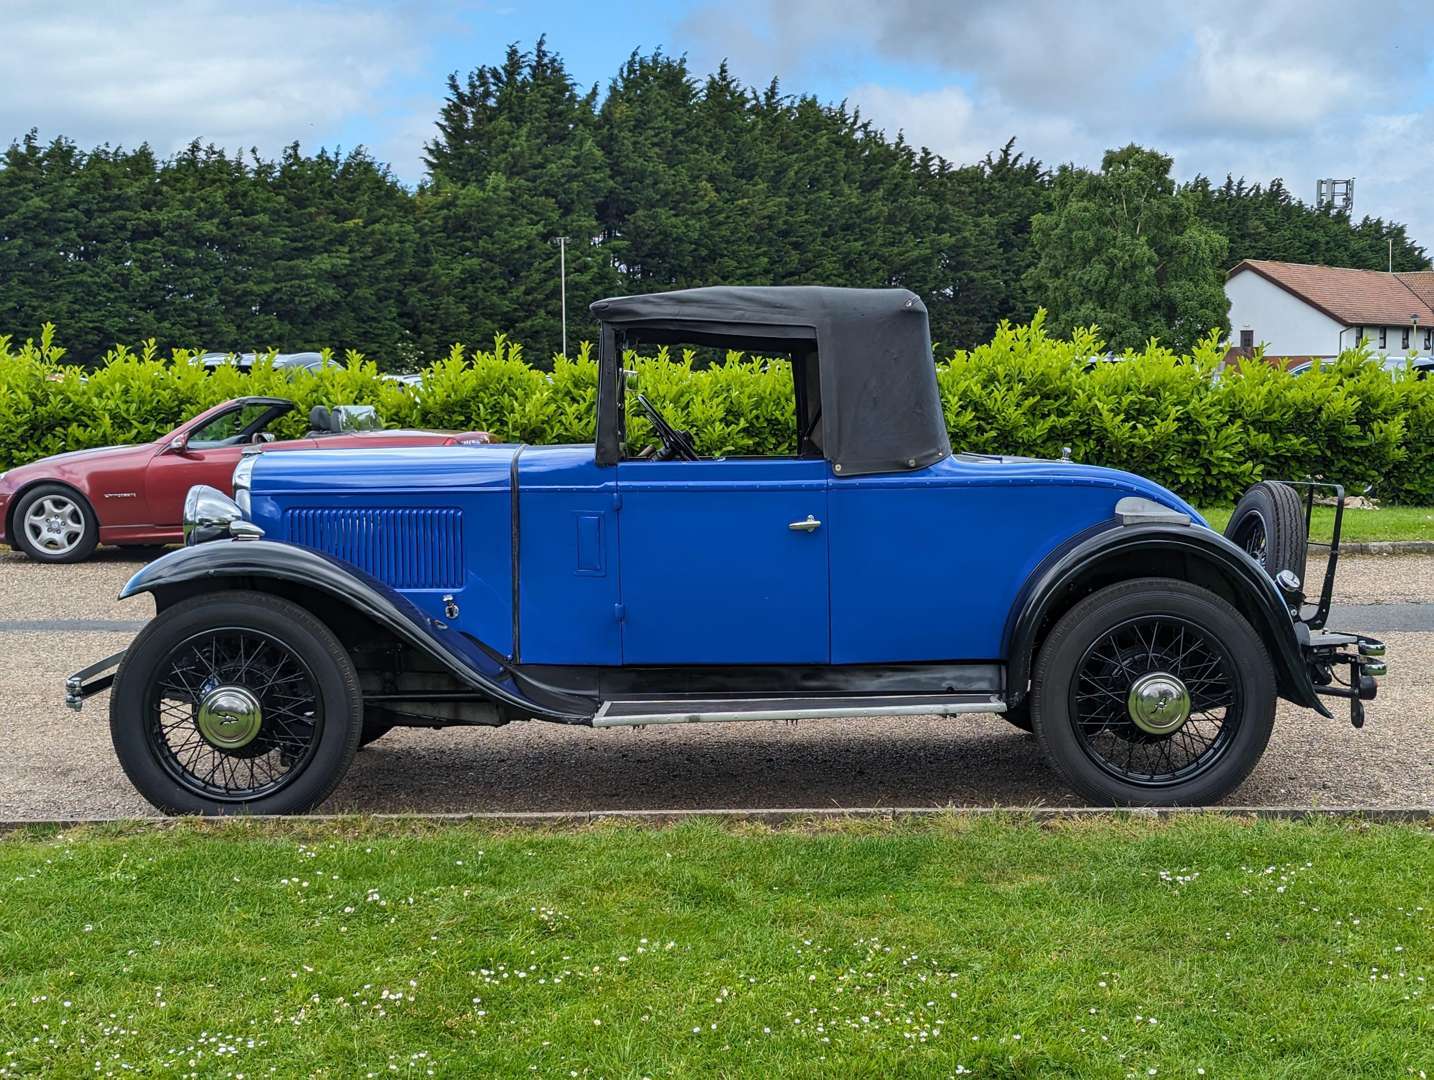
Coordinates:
868	572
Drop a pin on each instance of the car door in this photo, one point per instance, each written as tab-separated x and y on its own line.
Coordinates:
208	457
723	562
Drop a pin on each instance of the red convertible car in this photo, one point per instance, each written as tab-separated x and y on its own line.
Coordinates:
58	509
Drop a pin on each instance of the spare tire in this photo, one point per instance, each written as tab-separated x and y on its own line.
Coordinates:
1269	523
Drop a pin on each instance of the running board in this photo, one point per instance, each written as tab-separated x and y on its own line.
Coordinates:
637	712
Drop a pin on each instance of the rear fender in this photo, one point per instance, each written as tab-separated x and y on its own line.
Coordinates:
258	564
1110	552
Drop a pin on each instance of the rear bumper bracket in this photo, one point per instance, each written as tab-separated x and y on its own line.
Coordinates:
1361	655
87	682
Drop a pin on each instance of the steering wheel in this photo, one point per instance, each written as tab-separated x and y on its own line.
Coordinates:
675	444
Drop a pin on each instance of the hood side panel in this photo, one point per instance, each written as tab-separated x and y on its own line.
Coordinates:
431	522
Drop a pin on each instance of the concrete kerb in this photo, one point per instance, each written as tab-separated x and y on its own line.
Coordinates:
776	816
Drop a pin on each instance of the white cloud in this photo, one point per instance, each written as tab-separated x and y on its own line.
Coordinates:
1296	89
263	73
962	128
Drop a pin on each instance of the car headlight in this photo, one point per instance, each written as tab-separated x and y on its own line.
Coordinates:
242	473
209	514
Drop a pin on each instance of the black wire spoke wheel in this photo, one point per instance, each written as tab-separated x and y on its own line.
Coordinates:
1251	535
1156	700
1268	523
234	714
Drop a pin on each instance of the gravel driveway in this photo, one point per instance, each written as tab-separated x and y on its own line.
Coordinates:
58	763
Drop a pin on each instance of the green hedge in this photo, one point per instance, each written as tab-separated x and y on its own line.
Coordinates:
1161	415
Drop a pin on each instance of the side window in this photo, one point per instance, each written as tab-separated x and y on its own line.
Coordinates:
1247	339
227	428
782	417
1404	339
1384	337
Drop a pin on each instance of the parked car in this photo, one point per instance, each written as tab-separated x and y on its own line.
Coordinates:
1417	367
869	571
300	361
59	508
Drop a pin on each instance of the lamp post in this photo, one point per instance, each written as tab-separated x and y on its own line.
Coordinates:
562	242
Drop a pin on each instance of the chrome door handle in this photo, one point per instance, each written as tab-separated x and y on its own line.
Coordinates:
810	525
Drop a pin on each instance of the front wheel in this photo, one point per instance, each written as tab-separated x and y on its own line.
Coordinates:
55	524
236	703
1153	692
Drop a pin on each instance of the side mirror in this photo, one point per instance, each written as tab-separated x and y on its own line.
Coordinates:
178	445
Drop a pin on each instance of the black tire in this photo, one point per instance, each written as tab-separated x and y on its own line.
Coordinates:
74	531
1090	664
307	734
1269	524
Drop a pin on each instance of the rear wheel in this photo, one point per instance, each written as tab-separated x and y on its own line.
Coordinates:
1269	523
1153	692
55	524
236	703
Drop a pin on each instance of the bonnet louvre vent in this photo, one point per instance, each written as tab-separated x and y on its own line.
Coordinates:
406	549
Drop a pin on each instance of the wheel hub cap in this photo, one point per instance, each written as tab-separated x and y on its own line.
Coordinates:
229	717
1158	703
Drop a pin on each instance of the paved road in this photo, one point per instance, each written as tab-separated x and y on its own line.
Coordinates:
54	762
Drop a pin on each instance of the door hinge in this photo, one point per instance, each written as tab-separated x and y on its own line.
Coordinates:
619	612
617	500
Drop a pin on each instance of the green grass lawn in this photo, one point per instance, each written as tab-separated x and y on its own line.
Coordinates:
1000	947
1388	523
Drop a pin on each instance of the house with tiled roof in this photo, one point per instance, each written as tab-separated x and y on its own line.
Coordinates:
1299	311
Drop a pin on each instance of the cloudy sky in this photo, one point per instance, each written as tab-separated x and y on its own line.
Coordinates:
1260	88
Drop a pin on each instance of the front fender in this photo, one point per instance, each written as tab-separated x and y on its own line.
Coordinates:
250	563
1112	552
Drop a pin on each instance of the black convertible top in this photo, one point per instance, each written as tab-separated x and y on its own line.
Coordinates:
880	409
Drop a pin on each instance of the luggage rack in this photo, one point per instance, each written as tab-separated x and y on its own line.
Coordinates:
1327	650
1316	618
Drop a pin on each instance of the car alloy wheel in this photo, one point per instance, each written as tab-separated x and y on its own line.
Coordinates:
55	524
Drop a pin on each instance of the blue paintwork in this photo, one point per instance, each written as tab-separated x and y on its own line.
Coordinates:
711	571
667	562
569	574
926	565
472	479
